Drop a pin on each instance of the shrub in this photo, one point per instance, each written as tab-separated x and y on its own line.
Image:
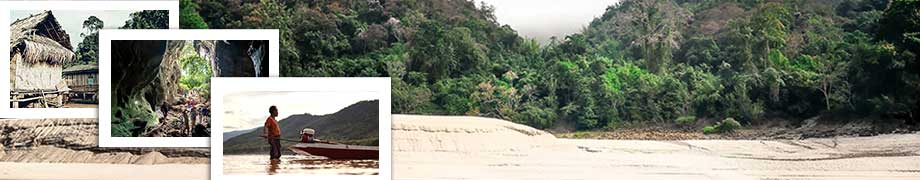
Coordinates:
728	125
709	129
685	120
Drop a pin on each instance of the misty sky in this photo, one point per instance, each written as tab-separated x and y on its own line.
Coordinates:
245	110
72	20
542	19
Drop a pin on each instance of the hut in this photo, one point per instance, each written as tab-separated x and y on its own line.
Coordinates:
83	81
38	49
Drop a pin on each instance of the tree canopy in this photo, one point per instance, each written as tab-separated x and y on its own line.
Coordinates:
87	52
640	61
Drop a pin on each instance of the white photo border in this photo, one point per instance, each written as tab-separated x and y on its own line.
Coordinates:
105	76
6	9
379	85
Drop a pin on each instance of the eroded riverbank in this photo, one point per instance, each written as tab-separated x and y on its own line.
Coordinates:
67	149
483	148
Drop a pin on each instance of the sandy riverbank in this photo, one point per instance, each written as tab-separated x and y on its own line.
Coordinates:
12	170
433	147
67	149
438	147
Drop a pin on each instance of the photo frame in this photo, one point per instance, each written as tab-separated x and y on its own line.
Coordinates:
379	85
105	63
5	16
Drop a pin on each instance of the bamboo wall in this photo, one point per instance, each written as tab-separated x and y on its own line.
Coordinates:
34	77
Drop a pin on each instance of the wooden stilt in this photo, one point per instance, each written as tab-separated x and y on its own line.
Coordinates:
15	101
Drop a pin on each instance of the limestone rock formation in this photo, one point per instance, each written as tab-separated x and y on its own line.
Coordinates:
145	75
236	58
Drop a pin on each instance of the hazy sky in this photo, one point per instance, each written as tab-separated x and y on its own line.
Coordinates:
542	19
72	20
245	110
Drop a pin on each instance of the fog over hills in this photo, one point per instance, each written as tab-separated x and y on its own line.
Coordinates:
543	19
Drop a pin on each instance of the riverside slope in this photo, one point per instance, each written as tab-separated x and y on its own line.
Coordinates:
439	147
67	149
445	147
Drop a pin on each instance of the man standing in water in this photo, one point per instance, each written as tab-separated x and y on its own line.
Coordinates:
273	133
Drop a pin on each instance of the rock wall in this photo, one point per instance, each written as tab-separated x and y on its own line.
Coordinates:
144	75
167	81
236	58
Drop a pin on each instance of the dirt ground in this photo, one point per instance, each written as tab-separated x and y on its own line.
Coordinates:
176	124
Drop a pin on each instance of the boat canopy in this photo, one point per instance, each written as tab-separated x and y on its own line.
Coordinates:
307	131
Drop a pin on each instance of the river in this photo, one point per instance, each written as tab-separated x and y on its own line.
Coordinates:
297	164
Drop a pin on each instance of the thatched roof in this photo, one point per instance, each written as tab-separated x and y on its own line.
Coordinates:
39	38
82	69
41	24
35	49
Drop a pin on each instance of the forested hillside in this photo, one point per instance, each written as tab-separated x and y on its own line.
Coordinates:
641	61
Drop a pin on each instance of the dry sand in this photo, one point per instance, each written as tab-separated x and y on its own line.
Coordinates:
437	147
10	170
67	149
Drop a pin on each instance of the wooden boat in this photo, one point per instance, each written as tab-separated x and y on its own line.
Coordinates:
336	151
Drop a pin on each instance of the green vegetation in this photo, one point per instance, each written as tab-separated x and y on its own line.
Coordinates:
724	126
123	114
123	127
641	61
685	120
148	19
87	51
189	16
728	125
196	71
711	129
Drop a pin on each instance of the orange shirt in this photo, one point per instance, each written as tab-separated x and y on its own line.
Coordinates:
272	126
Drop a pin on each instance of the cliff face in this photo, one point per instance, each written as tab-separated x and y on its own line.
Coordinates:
142	71
167	81
236	58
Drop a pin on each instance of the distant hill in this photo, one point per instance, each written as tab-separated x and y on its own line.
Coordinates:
231	134
355	124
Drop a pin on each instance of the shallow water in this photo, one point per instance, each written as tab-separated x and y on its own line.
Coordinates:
297	164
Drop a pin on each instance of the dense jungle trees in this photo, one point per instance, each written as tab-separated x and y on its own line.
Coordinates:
641	61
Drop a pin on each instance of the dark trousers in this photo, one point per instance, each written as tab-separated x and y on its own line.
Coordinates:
276	148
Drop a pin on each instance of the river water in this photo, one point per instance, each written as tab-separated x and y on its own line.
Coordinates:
298	164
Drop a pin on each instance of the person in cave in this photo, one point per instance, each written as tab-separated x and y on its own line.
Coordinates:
192	114
164	108
272	133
